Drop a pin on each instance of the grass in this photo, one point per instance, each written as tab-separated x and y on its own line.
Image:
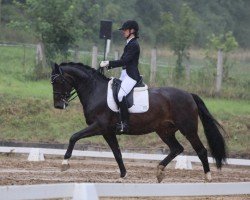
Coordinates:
27	113
221	106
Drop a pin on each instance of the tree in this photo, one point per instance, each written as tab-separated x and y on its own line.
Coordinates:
55	23
179	33
225	43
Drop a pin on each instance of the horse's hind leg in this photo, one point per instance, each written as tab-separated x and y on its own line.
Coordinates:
192	136
202	154
175	149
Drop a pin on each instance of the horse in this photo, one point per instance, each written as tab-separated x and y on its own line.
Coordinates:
170	110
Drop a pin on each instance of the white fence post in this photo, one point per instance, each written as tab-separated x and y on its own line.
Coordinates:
153	67
40	58
219	72
116	55
94	57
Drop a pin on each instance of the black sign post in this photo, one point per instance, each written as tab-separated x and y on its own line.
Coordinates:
105	33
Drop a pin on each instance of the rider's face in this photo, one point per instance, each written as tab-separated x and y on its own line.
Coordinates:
126	33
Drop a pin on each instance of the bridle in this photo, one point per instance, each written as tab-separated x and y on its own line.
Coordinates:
66	96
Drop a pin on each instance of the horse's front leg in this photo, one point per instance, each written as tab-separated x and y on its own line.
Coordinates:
91	130
113	143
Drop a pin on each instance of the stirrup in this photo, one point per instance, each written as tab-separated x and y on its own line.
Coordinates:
122	127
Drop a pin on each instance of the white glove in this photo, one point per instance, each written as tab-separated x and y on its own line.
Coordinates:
104	63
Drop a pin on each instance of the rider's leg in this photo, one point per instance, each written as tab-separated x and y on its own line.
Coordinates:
124	116
126	86
123	74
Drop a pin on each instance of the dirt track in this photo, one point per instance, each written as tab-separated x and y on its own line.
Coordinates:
16	170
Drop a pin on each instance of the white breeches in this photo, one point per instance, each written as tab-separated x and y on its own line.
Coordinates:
123	74
126	86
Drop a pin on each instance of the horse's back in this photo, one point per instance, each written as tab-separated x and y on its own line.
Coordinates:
171	94
176	101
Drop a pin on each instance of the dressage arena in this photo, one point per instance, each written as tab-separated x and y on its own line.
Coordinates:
15	169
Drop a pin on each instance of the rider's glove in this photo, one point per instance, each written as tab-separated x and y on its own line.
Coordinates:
104	63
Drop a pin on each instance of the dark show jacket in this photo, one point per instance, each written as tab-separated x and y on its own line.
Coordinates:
129	60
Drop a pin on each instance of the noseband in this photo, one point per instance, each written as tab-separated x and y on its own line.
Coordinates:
66	96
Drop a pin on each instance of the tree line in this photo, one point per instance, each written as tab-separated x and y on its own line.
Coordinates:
216	16
179	24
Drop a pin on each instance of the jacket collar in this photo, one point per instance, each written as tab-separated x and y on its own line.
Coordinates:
128	40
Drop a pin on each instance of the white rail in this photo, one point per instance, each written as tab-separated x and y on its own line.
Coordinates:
230	161
92	191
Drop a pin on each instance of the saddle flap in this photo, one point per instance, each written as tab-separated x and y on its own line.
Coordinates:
138	98
116	85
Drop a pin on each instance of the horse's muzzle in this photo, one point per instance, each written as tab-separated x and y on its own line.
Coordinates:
61	105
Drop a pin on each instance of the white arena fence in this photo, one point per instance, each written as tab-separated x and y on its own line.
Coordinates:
103	154
92	191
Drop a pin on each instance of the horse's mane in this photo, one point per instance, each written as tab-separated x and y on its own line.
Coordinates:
83	67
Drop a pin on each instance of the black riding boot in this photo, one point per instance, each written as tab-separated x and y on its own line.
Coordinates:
123	126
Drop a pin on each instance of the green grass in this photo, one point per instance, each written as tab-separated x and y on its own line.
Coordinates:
230	107
27	113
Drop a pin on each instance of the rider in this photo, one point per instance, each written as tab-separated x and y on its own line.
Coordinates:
130	74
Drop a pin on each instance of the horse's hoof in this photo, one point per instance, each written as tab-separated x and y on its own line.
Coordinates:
208	177
123	176
65	167
160	173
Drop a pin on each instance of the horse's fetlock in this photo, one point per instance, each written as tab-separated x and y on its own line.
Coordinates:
123	174
67	156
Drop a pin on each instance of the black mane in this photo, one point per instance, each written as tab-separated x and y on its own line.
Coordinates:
83	67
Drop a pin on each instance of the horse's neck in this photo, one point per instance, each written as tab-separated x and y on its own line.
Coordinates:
90	93
90	90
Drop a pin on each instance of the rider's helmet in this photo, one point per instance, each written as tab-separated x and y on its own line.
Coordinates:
130	24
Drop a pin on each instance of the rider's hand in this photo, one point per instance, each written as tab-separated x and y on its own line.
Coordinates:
104	63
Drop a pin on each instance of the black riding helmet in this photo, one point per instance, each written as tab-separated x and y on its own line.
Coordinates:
131	24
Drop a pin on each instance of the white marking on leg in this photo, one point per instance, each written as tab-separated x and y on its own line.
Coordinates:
208	176
65	162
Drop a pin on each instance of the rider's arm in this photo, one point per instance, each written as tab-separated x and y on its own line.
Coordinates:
126	58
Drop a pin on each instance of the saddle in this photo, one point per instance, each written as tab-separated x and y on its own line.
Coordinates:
129	98
137	99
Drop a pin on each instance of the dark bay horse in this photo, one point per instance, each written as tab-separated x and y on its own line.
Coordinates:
170	110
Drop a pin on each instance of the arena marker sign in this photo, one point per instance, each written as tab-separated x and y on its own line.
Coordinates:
35	155
183	163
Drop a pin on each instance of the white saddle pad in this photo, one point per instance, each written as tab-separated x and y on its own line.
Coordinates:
140	96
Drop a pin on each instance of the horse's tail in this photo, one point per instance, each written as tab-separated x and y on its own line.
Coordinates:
212	131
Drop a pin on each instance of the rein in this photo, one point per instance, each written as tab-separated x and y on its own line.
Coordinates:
73	93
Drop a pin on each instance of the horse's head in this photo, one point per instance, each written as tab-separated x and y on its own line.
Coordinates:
62	87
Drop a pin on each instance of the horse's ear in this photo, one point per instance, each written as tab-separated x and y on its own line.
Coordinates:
56	68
